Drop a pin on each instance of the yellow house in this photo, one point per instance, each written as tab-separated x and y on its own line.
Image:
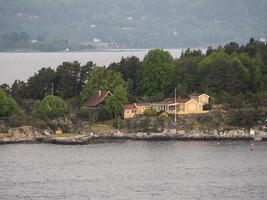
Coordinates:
141	107
203	99
192	105
129	111
183	106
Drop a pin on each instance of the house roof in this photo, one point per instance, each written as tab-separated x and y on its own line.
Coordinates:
171	101
198	94
130	107
98	98
142	104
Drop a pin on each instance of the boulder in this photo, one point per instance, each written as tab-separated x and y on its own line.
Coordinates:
173	132
181	132
141	135
118	134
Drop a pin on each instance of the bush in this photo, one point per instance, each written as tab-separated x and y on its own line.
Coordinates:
247	117
53	106
8	105
163	117
145	125
207	107
150	112
84	112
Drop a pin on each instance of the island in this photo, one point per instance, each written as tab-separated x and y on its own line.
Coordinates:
213	95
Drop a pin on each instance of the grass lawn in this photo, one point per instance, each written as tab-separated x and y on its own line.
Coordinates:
103	127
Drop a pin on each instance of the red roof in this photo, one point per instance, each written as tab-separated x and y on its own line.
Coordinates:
130	107
171	101
98	98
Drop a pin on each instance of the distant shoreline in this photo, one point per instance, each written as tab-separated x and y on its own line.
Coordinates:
102	50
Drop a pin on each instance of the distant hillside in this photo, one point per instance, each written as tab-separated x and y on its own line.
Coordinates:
137	23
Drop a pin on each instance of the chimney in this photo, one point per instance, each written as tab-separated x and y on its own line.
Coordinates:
99	92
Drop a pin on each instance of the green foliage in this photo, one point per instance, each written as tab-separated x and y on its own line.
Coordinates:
19	90
67	81
71	77
130	68
8	105
102	78
187	72
244	117
163	117
220	72
150	112
40	84
84	112
53	106
234	75
114	104
157	74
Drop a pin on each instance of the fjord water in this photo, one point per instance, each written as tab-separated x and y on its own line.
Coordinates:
134	170
23	65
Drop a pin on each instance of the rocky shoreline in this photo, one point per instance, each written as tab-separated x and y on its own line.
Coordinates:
27	134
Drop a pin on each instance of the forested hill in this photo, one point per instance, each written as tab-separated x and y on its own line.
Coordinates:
137	23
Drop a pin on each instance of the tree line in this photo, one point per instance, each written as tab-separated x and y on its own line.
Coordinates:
232	74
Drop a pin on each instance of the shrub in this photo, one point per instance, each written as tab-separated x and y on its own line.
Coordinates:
53	106
84	112
8	105
247	117
163	117
207	107
150	112
144	125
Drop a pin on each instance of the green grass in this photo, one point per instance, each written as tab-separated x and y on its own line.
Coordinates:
103	127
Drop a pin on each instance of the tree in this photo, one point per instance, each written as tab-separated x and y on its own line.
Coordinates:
5	87
220	72
157	74
53	106
231	48
8	105
114	104
68	79
130	68
103	78
187	73
19	90
40	85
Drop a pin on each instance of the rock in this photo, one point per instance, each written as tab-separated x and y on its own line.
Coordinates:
141	135
252	132
181	133
47	133
118	134
165	132
172	132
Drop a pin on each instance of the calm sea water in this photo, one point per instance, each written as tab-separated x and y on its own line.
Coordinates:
23	65
134	170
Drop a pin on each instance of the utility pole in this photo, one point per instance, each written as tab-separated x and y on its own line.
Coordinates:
175	119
